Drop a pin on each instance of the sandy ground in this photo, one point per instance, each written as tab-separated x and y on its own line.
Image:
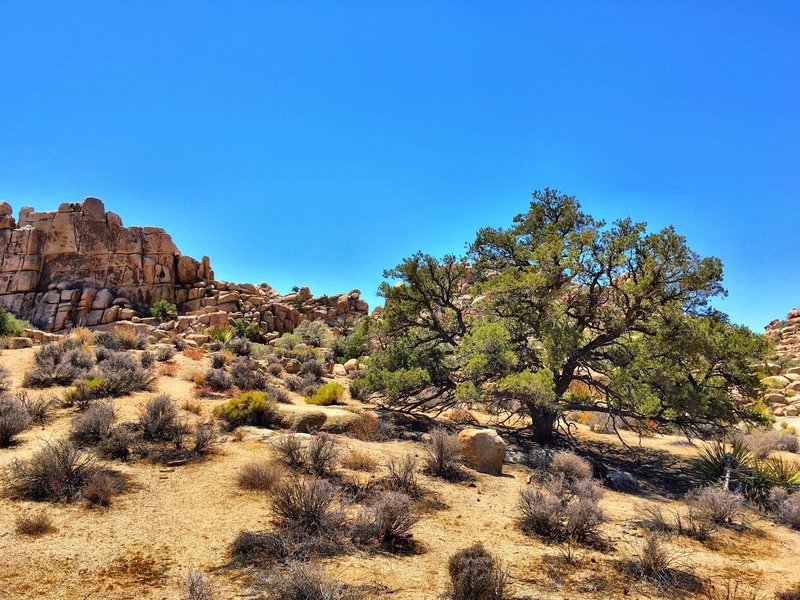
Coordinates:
176	520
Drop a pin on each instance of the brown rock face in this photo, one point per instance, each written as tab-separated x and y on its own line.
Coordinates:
79	266
85	253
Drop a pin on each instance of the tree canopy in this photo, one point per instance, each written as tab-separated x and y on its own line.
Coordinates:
563	312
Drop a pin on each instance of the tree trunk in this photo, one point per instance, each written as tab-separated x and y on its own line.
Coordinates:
544	423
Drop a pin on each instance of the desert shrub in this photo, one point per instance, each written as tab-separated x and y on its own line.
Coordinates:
131	339
122	374
59	363
279	395
313	367
305	581
5	379
260	475
309	504
100	487
570	465
107	339
10	325
165	353
322	454
761	444
159	419
788	443
117	444
192	406
475	574
443	455
59	471
716	505
787	507
314	333
294	383
653	561
553	509
288	341
39	408
93	425
205	436
359	461
14	419
218	361
387	522
160	309
240	346
198	587
330	393
35	524
248	374
366	427
217	380
290	450
403	474
275	369
251	408
788	595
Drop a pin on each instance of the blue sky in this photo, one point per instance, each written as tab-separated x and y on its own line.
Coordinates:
317	144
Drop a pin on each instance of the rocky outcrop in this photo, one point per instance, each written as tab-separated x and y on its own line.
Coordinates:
79	266
783	382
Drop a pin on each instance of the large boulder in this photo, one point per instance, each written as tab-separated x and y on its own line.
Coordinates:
482	449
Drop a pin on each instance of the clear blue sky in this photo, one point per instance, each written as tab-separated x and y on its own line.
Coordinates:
318	143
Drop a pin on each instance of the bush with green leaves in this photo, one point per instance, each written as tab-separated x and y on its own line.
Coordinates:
248	331
314	333
11	325
161	309
251	408
330	393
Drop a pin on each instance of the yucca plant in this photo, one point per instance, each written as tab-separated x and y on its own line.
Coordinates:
710	466
221	334
771	473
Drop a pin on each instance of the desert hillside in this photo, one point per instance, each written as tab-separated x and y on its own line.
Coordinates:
168	508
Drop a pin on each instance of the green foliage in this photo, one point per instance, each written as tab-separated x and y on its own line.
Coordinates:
246	330
221	334
330	393
161	308
288	341
251	408
353	343
561	301
10	325
314	333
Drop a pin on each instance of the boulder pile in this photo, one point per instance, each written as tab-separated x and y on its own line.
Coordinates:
80	267
783	382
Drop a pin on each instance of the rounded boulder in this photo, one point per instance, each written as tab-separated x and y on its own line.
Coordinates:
482	449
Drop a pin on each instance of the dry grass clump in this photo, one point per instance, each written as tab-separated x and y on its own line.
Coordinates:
366	427
359	461
60	363
290	450
5	378
653	561
322	454
34	524
193	353
731	591
387	522
786	507
101	487
164	353
443	456
788	595
261	476
14	419
403	475
39	408
192	406
58	472
475	574
556	509
198	587
159	419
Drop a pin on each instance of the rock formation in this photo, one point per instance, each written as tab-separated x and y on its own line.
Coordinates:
783	385
79	266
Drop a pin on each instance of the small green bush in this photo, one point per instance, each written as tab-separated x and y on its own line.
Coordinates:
161	308
251	408
315	333
330	393
11	325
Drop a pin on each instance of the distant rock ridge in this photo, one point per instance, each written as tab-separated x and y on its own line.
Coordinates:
785	334
79	266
